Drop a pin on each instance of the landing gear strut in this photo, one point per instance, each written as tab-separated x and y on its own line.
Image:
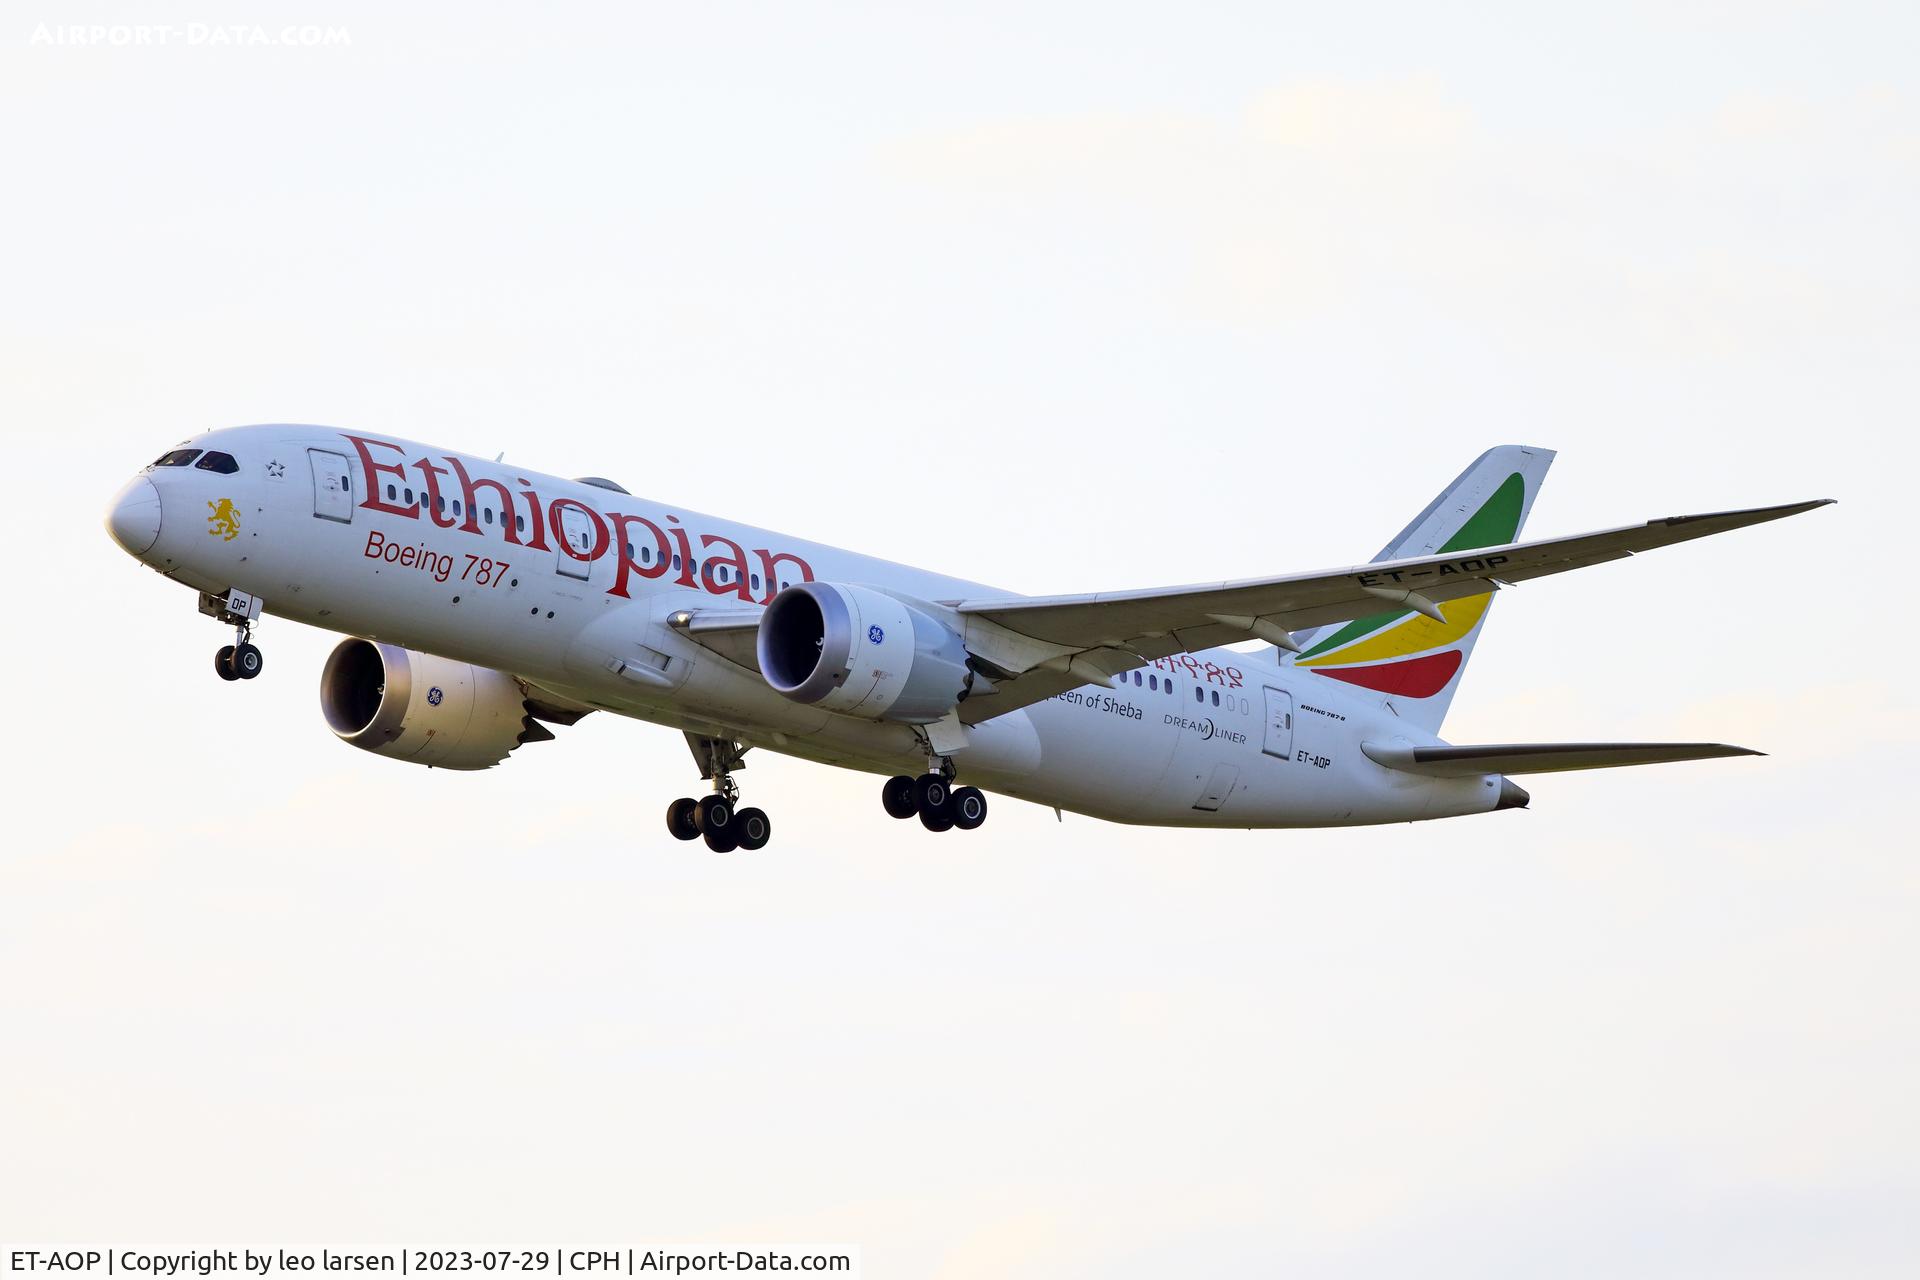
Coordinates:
717	819
240	660
932	797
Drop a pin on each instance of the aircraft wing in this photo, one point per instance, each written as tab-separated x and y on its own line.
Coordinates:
1036	647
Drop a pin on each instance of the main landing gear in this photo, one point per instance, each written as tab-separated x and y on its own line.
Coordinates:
240	660
717	819
941	806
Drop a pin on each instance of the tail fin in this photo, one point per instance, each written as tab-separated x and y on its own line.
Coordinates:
1412	661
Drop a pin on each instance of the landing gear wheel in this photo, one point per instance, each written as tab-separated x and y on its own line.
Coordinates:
940	819
896	797
713	814
930	792
247	662
682	819
751	828
968	807
223	663
722	839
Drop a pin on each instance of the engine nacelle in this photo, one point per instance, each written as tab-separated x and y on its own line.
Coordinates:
413	706
861	652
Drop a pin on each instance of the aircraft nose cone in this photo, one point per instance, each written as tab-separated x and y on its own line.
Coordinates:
134	519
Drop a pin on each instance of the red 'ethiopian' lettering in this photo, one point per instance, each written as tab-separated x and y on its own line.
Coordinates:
372	470
686	552
599	548
436	502
623	548
470	494
738	560
534	520
768	562
671	544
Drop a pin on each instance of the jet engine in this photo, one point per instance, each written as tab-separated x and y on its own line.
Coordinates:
416	707
861	652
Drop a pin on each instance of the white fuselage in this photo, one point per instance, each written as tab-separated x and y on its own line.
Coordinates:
1221	738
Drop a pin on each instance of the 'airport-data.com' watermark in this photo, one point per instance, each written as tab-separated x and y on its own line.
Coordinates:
200	35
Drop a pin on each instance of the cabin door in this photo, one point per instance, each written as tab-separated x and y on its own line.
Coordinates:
1279	740
332	486
577	531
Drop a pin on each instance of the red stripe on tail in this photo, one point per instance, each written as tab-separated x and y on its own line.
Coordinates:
1410	678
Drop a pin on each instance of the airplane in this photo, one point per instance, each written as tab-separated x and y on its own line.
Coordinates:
483	603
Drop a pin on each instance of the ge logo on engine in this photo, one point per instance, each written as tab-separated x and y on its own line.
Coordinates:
434	695
875	635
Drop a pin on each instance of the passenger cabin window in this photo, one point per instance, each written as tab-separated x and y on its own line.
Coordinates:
1216	697
176	458
520	524
1199	694
221	463
489	511
390	493
756	582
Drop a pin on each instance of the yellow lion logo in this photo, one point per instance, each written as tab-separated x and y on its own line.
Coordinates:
225	520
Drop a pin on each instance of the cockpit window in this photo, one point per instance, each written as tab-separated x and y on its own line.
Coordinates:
220	462
176	458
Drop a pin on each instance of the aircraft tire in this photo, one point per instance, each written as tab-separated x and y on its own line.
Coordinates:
752	829
722	839
223	663
713	814
247	662
896	797
968	807
682	820
930	792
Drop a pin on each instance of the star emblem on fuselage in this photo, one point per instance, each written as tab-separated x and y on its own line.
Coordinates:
276	469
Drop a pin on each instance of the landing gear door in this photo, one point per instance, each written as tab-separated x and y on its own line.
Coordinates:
332	486
577	531
1279	740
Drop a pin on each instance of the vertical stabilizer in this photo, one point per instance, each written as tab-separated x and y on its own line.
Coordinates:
1413	662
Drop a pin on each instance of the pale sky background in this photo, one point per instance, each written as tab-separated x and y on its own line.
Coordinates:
1058	298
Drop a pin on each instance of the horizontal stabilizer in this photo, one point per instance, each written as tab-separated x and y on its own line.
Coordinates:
1541	757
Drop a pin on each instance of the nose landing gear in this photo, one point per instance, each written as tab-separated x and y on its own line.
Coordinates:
716	819
240	660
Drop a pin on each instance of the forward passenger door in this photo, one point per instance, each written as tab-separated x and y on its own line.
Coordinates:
332	486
